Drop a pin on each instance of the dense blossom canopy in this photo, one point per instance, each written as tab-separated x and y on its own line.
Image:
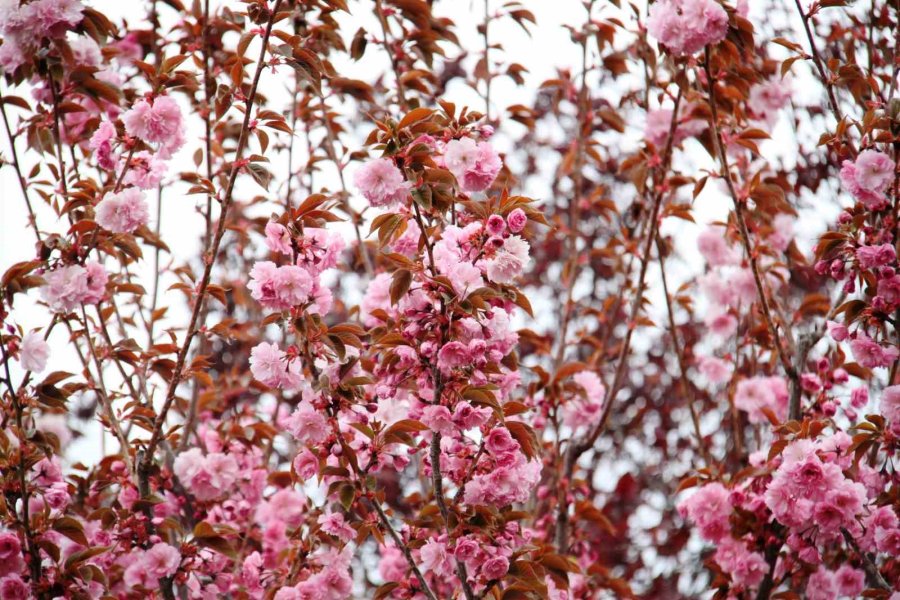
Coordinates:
446	330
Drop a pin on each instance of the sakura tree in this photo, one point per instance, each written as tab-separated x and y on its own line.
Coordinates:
326	299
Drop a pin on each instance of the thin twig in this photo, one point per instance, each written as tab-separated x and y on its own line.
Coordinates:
193	325
783	354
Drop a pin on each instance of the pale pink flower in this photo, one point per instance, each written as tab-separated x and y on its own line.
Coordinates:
516	220
890	404
867	178
767	98
585	411
870	354
53	18
715	370
715	248
466	416
381	182
495	568
308	425
870	257
334	524
437	418
278	238
452	355
206	477
377	297
146	171
408	243
67	287
279	288
306	465
465	277
821	585
686	26
505	484
435	557
86	52
101	143
709	509
475	165
509	261
287	505
837	331
874	170
500	441
757	393
34	352
721	324
123	212
269	365
158	123
659	124
782	232
162	560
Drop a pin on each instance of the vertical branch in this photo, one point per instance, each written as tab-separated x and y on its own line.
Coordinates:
577	448
487	62
105	399
577	184
32	220
820	67
33	553
57	131
395	64
329	143
686	387
783	355
193	325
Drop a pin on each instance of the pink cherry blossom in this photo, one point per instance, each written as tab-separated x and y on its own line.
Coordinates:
159	122
101	142
122	212
308	425
867	177
474	164
206	477
715	248
280	288
278	238
716	370
381	182
870	354
162	560
508	262
270	366
34	352
890	403
146	170
68	287
686	26
516	220
755	394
